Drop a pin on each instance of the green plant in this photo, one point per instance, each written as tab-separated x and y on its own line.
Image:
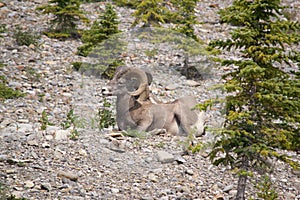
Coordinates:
7	92
185	17
32	74
152	52
26	37
109	72
44	121
67	14
127	3
91	1
74	134
101	29
266	190
108	55
105	116
2	29
135	134
150	13
4	194
160	145
263	100
41	97
76	65
72	121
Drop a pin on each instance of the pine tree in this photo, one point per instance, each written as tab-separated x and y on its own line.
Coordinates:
185	18
263	101
67	14
150	13
106	25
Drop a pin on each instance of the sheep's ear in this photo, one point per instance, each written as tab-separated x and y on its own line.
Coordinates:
149	77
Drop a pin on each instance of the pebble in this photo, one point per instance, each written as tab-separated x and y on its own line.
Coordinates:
29	184
3	158
172	87
228	188
192	83
165	157
67	174
33	143
115	190
189	172
10	171
61	134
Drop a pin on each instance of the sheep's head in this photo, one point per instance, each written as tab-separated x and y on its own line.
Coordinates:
128	80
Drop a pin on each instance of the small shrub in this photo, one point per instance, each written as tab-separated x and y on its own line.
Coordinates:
32	74
5	91
151	53
101	29
2	29
105	116
91	1
44	121
127	3
4	194
76	65
74	134
26	37
266	189
9	93
72	121
150	13
67	14
110	70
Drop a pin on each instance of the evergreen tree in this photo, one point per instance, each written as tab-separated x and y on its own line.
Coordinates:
263	101
101	29
150	12
185	18
67	14
179	12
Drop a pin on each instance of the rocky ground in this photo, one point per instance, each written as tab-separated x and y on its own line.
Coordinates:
49	164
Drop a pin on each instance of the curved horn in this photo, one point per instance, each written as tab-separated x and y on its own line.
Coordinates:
143	87
143	81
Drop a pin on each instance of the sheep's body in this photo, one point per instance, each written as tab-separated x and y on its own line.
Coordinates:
136	111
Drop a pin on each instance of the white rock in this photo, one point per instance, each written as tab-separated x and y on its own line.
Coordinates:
61	134
165	157
28	184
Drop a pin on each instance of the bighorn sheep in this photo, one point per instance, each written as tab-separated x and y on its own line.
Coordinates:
136	111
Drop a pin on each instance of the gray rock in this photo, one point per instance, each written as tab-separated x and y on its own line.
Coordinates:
228	188
192	83
67	174
165	157
3	157
115	190
189	172
61	134
180	160
33	143
148	197
28	184
172	86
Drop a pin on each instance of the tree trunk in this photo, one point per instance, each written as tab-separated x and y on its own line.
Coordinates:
241	187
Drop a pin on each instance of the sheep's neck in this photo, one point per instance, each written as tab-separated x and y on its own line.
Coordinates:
125	103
